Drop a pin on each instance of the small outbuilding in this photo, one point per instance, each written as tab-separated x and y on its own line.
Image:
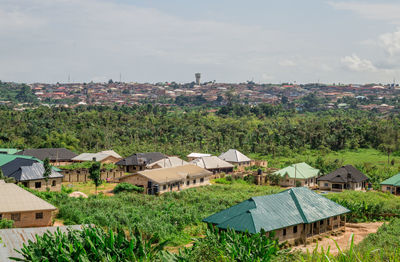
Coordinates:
295	215
345	178
139	161
213	164
392	185
301	173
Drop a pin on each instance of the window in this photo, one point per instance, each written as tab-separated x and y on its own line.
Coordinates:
38	184
194	181
1	216
321	222
335	218
16	217
202	180
54	183
329	222
164	187
388	188
284	232
326	184
25	184
39	215
187	182
295	229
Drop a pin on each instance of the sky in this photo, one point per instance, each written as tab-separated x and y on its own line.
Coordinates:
225	40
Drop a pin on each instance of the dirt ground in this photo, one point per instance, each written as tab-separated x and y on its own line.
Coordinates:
360	231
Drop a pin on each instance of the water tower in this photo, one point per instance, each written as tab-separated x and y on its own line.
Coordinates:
197	75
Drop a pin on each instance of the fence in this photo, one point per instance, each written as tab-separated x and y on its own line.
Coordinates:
82	175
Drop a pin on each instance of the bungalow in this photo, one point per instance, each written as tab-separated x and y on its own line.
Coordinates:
236	158
213	164
344	178
193	156
24	208
298	173
104	157
171	161
161	180
295	215
139	161
29	173
392	185
57	156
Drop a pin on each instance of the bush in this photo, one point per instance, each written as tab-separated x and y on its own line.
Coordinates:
223	181
5	223
126	187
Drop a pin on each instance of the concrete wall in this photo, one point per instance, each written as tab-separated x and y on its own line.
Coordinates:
390	189
28	219
54	184
286	181
325	185
82	175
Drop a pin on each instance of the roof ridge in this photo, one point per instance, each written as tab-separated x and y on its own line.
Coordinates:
297	203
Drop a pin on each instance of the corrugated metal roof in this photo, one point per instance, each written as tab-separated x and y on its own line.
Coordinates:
393	181
345	174
10	151
168	162
15	238
139	159
5	158
55	154
299	170
234	156
197	155
15	199
211	162
291	207
26	169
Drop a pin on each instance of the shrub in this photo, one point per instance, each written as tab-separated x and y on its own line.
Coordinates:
222	181
126	187
5	223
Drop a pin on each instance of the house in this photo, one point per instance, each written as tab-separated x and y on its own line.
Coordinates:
193	156
57	156
6	158
344	178
235	157
24	208
295	215
104	157
213	164
161	180
29	173
298	173
10	151
13	239
139	161
171	161
392	185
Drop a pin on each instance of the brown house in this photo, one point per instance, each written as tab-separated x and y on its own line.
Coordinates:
24	208
139	161
344	178
161	180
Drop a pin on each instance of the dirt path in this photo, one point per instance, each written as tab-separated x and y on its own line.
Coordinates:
360	231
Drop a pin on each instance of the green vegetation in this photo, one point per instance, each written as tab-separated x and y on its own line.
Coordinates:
91	244
369	206
16	93
5	223
87	165
126	187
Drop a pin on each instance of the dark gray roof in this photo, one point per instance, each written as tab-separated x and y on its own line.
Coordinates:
26	169
54	154
141	159
345	174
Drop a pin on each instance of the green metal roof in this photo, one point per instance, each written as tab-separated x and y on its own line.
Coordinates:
299	170
393	181
10	151
291	207
6	158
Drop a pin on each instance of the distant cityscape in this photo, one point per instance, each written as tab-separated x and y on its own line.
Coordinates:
379	97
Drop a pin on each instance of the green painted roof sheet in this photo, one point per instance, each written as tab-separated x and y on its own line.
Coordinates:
393	181
291	207
10	151
299	170
6	158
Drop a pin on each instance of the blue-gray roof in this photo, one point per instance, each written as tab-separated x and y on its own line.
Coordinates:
26	169
291	207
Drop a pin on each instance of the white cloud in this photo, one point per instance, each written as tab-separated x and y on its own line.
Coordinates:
383	11
354	63
287	63
391	42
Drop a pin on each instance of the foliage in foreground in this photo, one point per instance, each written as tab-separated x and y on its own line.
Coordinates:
218	245
91	244
5	223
